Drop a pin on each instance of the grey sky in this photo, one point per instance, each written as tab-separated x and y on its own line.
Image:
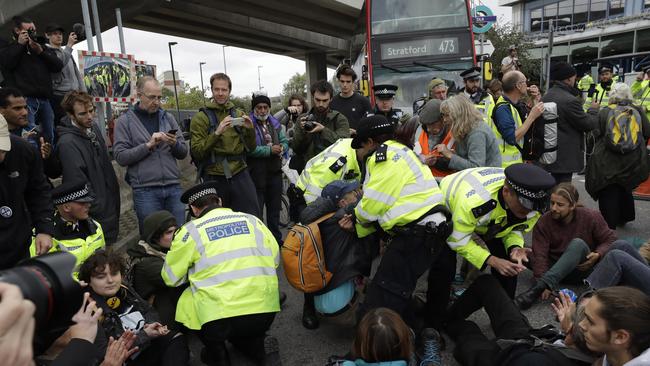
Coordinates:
241	63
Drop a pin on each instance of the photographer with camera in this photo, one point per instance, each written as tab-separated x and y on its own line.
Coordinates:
27	65
320	128
69	78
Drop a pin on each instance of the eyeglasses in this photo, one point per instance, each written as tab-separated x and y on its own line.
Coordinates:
153	97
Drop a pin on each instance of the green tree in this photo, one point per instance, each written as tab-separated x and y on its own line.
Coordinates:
188	98
502	37
243	103
296	85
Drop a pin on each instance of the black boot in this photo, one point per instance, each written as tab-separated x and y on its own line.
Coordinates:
271	352
309	318
528	298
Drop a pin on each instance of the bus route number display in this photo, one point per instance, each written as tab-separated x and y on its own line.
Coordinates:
419	48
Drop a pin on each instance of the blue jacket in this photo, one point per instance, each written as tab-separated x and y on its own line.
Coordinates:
147	168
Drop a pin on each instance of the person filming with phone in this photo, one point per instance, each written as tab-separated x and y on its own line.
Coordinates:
148	143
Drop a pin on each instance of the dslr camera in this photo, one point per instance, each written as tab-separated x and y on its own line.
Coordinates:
309	122
47	282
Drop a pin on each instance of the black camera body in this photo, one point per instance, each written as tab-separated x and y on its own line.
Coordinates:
309	122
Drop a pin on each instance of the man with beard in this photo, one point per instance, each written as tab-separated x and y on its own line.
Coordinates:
572	124
568	241
600	92
321	127
472	90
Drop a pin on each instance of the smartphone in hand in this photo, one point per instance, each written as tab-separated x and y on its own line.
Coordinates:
172	132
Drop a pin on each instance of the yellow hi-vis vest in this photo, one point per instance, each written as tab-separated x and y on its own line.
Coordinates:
601	96
397	190
472	197
641	93
510	154
337	162
486	106
81	248
230	260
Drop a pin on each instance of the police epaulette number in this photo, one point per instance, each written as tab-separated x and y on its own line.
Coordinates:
381	154
484	209
338	164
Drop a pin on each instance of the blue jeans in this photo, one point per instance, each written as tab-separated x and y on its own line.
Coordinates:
147	200
621	266
41	114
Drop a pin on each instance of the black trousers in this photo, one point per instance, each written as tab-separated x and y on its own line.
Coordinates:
497	249
165	351
269	194
245	332
237	193
405	260
441	275
473	348
616	204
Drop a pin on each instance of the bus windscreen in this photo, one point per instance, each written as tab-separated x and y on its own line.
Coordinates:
399	16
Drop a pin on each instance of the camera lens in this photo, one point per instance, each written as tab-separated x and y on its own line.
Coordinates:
47	282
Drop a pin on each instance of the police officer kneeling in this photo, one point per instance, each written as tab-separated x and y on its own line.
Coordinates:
229	260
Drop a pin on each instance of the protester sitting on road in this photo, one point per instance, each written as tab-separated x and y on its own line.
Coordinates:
382	339
474	142
431	133
345	254
516	343
623	265
568	241
617	323
617	167
124	310
147	259
265	162
75	232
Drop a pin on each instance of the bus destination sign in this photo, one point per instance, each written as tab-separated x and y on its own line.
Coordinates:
419	48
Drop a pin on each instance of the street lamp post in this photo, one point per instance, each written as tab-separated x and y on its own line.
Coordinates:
259	79
171	59
202	87
223	50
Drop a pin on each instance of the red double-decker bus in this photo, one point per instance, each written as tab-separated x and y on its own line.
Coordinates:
408	43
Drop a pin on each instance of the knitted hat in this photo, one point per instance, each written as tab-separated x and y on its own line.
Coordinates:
436	83
562	71
156	222
257	99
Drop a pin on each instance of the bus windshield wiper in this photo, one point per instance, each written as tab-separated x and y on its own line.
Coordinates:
393	69
437	68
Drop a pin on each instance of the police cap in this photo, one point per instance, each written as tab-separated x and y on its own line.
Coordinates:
199	191
71	192
531	183
471	73
385	91
371	126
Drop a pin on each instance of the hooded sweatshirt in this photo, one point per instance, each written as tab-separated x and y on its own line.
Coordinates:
69	78
84	157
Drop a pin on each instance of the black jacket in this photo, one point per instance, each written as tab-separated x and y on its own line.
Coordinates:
29	72
25	201
572	124
86	160
79	352
147	262
345	254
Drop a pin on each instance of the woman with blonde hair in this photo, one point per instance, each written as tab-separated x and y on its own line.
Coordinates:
619	162
475	144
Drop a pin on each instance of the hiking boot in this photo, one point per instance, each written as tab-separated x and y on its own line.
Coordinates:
271	352
217	357
428	348
527	299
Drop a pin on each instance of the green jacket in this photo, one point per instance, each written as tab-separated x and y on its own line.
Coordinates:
310	144
209	149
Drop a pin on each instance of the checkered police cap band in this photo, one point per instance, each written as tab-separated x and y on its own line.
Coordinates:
71	197
200	194
385	92
524	192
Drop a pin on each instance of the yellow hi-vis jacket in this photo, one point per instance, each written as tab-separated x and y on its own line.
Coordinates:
230	260
641	93
472	197
485	106
601	96
337	162
397	190
81	248
510	154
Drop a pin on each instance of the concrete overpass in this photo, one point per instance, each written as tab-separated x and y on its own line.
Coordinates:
317	31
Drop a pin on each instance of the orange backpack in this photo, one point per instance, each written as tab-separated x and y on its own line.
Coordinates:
303	257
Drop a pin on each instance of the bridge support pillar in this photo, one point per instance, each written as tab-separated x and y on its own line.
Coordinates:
316	65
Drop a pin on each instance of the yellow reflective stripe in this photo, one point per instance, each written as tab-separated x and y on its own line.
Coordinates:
237	274
398	211
379	196
194	233
172	277
454	185
458	239
365	216
477	188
